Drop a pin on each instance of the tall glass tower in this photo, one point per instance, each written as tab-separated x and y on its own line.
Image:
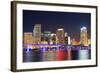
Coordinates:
37	34
83	36
60	36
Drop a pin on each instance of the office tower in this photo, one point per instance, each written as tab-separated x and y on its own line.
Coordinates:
60	36
28	39
89	41
37	34
47	36
69	40
83	36
53	38
66	38
43	39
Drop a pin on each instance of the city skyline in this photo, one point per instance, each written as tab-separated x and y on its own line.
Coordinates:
39	46
51	21
51	36
60	37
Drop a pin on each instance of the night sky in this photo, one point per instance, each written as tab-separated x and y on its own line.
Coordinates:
51	21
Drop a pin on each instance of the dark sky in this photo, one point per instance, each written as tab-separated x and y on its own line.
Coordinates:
51	21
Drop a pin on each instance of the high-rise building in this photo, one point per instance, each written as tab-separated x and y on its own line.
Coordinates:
53	38
83	36
89	41
47	36
60	36
69	40
37	34
66	38
28	39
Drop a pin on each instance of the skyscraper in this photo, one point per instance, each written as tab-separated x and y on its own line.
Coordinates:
66	38
47	36
37	34
53	38
60	36
83	36
28	39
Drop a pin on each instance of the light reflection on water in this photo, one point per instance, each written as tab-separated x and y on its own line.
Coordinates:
56	54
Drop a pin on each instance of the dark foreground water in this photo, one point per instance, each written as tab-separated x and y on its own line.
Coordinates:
56	54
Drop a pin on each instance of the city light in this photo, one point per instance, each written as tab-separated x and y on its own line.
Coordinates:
60	29
56	36
69	41
60	37
58	46
83	28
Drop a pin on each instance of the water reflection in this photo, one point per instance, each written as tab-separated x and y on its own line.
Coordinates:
56	54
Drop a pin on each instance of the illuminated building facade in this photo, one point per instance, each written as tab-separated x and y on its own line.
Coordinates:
83	36
60	36
75	42
69	40
89	41
66	38
37	34
47	36
28	39
53	38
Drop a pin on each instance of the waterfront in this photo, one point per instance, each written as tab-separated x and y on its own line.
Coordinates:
56	54
56	36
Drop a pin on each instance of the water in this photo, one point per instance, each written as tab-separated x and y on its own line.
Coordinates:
56	54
